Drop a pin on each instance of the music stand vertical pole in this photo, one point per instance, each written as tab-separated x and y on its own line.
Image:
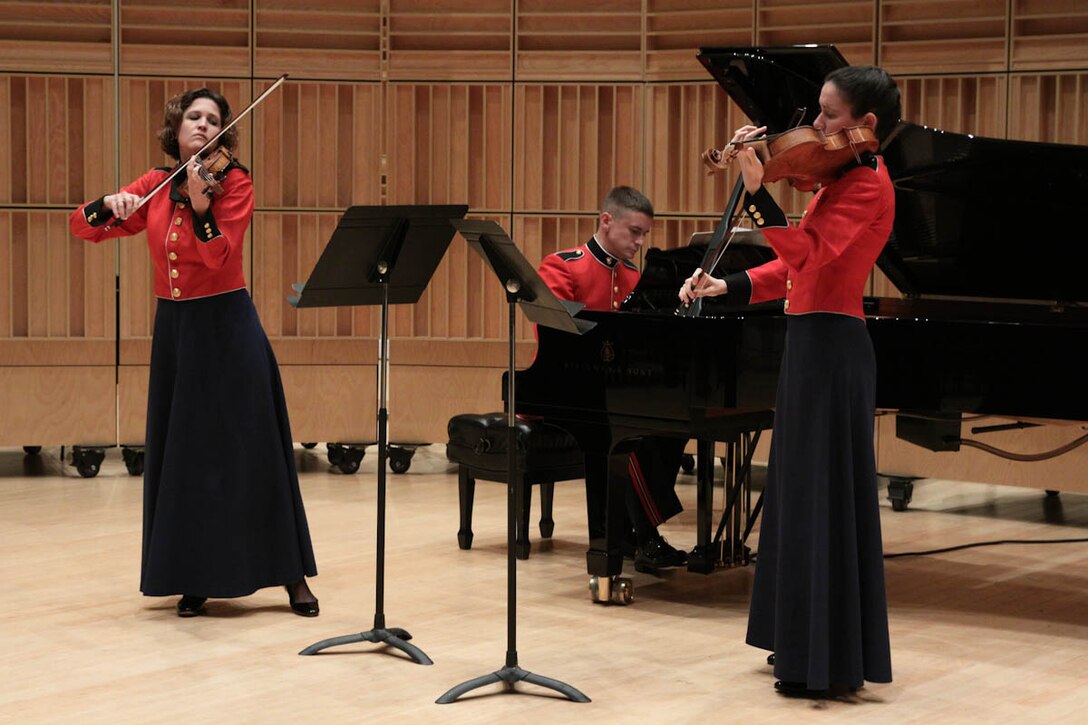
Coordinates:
394	637
511	673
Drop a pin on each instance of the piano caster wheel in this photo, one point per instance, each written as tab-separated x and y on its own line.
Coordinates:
616	590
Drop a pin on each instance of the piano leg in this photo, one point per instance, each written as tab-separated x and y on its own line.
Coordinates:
704	557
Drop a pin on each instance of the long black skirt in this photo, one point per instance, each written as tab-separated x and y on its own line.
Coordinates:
223	514
818	601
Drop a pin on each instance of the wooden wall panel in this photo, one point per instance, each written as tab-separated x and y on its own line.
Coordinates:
56	138
575	143
941	36
450	144
329	39
848	24
331	402
55	287
58	405
574	40
960	104
682	121
196	37
1051	108
57	36
1049	34
320	146
440	40
676	29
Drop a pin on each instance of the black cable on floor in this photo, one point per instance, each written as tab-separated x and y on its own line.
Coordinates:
985	543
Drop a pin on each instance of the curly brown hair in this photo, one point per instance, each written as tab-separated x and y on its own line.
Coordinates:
175	110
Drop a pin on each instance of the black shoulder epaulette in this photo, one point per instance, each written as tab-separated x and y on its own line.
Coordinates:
570	255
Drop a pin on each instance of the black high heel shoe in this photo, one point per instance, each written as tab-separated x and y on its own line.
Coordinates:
303	609
190	606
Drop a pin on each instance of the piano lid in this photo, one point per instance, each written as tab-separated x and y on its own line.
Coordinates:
985	217
771	83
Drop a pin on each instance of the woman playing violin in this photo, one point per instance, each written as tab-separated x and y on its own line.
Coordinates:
818	600
223	515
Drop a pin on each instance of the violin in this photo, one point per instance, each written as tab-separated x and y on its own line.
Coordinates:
804	155
211	169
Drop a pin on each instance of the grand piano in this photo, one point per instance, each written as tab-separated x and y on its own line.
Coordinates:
985	250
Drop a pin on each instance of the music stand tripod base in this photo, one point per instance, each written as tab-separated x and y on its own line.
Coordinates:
394	637
509	676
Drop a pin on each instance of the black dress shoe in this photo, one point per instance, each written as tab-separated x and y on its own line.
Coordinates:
798	689
656	553
190	606
305	609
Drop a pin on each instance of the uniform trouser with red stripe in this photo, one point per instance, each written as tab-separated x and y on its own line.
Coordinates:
652	499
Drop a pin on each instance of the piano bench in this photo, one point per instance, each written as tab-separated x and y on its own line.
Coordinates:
545	454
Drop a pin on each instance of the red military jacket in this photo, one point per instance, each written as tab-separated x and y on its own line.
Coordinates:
193	256
824	262
589	275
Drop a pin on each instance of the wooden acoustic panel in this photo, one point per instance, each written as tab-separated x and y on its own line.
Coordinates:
57	36
683	121
56	287
58	405
848	24
198	37
942	36
318	146
1049	34
56	138
676	29
444	40
422	399
327	39
560	40
575	143
331	402
1051	108
960	104
449	144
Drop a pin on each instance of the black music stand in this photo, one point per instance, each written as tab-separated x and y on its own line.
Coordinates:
360	267
523	286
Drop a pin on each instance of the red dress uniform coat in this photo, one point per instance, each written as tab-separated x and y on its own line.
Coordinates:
193	256
589	275
824	262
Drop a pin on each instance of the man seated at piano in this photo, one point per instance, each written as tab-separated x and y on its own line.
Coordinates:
600	275
818	600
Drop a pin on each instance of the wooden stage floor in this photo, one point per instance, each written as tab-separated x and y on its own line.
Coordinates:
994	634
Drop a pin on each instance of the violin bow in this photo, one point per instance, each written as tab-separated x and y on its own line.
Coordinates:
715	249
211	142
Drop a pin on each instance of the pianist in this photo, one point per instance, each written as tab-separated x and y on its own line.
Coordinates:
818	601
600	274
